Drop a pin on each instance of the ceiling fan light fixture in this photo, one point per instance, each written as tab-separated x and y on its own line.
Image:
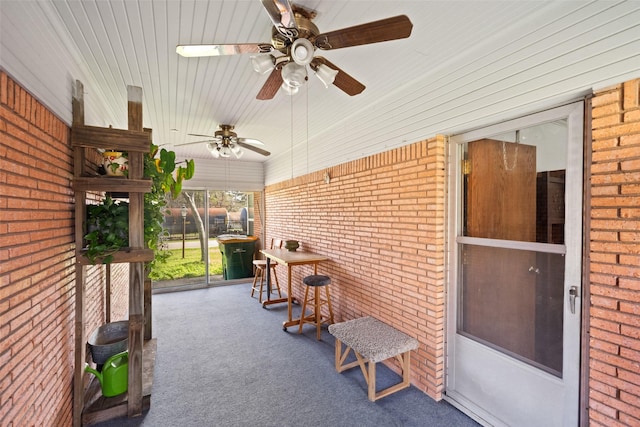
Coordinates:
326	74
262	63
302	51
213	149
294	74
289	90
225	151
237	151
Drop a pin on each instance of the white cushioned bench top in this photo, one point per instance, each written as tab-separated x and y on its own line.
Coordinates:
373	339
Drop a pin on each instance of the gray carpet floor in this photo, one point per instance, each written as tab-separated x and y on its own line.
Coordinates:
223	360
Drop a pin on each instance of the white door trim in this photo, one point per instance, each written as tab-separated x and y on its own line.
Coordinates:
572	249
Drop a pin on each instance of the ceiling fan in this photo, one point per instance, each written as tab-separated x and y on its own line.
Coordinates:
225	142
294	39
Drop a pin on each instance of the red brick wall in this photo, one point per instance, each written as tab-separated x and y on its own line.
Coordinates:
381	223
614	379
119	292
37	256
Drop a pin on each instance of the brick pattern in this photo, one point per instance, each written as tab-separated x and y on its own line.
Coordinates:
381	221
119	292
37	256
614	378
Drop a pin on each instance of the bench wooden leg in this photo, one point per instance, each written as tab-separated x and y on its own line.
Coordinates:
368	369
371	381
341	357
404	360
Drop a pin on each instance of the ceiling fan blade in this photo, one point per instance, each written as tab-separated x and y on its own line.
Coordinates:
281	15
194	50
271	86
250	141
343	81
204	136
398	27
252	148
195	142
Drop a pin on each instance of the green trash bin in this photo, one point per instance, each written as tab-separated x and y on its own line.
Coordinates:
237	256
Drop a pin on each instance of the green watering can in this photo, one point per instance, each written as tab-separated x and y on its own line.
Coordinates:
114	377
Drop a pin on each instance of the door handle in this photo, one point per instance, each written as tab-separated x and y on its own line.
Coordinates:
573	293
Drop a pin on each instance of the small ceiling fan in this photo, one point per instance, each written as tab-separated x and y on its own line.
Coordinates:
294	39
225	142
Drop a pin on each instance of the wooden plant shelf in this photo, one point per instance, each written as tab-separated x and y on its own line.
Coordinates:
99	408
107	138
112	184
122	256
89	406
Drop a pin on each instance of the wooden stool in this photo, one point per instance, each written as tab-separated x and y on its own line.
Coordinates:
261	268
316	282
260	275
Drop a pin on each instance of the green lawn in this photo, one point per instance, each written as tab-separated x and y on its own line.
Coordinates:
177	267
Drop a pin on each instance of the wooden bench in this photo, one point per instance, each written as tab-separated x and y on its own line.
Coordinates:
372	341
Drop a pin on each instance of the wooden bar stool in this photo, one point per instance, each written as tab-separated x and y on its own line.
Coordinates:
261	268
316	282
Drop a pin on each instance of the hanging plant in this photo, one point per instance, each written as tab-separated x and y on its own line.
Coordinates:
167	177
166	174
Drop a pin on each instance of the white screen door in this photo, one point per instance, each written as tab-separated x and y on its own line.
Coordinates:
513	347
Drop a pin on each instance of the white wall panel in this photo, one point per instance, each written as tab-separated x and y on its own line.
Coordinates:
573	53
46	65
227	175
467	64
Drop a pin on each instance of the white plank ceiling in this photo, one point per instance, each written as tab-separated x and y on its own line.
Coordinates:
466	64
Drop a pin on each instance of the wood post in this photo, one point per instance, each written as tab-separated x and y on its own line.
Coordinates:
147	309
80	211
136	270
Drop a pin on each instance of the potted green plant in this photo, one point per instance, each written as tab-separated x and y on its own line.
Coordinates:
115	163
107	229
108	222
